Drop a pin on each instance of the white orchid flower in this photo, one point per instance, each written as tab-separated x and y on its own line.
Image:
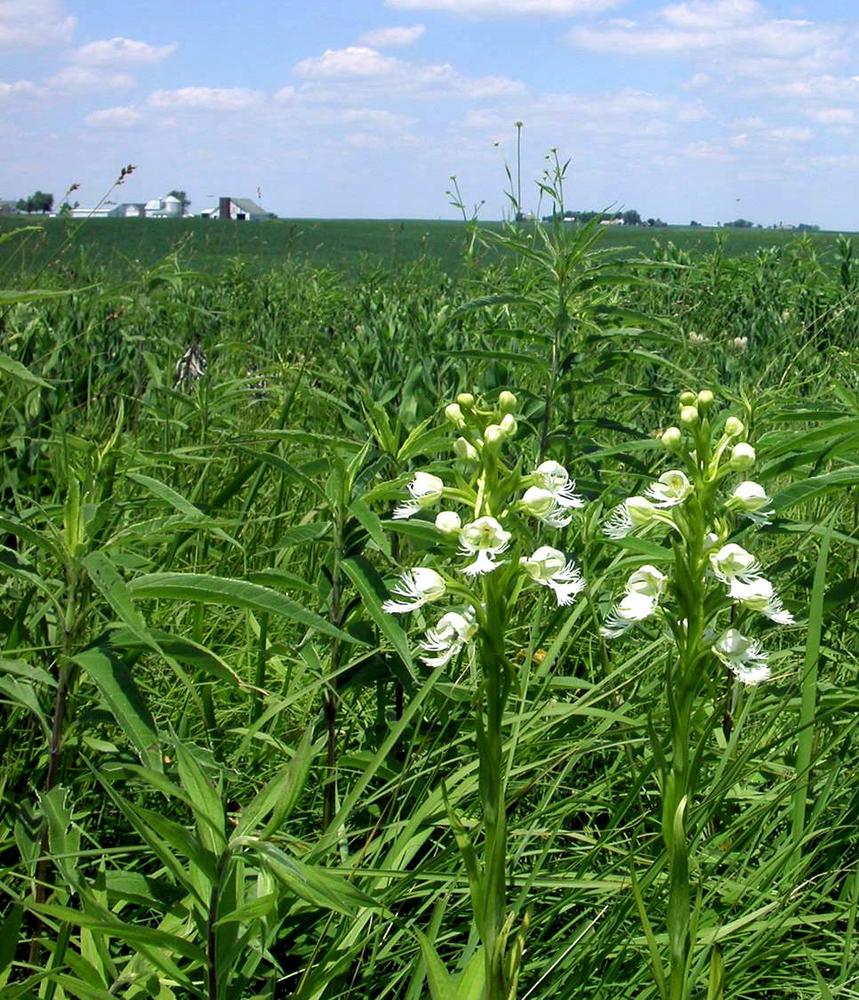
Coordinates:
446	639
552	476
633	513
743	657
550	568
670	489
732	562
418	586
759	595
750	500
485	538
643	590
425	489
448	522
541	503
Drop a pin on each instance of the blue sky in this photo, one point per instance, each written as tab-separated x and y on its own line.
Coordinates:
704	109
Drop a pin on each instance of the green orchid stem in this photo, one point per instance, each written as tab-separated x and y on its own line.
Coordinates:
491	908
681	688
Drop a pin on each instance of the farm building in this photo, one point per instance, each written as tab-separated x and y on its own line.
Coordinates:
156	208
237	209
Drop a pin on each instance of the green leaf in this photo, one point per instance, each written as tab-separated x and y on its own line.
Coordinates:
371	524
369	585
9	930
206	801
107	581
314	885
113	679
440	981
279	797
236	593
815	485
16	371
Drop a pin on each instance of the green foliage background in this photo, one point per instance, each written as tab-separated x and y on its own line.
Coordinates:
194	574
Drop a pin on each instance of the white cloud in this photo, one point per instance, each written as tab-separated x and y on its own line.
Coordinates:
121	52
397	37
33	24
738	35
206	98
356	60
20	88
355	72
791	134
506	8
81	79
119	117
833	116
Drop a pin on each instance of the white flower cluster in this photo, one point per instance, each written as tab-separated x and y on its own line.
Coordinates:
547	494
666	503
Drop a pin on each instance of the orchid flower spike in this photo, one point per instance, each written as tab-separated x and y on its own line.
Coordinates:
743	657
759	595
446	639
643	590
425	489
670	489
550	568
418	586
485	538
552	476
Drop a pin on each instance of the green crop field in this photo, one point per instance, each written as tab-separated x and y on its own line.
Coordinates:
383	623
127	245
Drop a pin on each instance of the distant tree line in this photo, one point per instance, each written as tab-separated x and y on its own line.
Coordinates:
630	217
39	201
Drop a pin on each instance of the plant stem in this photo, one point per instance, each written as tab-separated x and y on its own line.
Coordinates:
496	687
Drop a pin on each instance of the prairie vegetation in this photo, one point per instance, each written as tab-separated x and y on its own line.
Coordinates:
228	772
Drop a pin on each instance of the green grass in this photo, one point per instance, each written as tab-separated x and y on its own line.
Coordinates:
126	245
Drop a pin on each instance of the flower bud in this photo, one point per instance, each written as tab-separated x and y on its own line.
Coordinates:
672	438
734	427
507	402
742	456
465	450
688	415
453	412
537	501
465	400
687	398
508	424
448	522
494	434
705	399
641	511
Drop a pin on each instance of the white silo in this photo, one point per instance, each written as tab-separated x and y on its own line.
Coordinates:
172	207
